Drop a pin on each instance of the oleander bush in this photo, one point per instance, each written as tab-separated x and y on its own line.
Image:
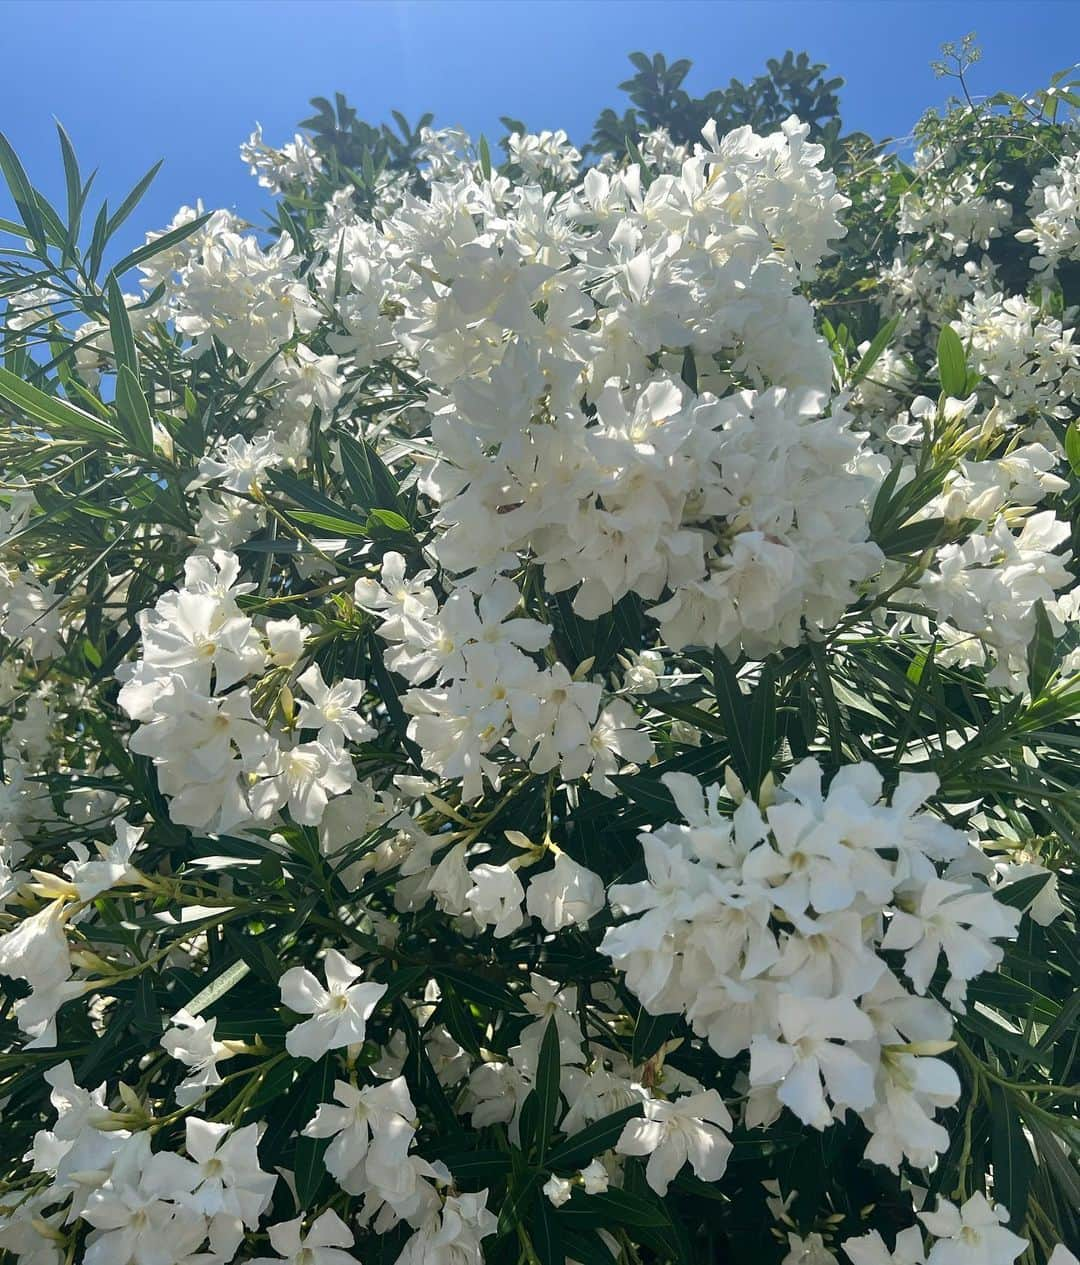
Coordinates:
541	695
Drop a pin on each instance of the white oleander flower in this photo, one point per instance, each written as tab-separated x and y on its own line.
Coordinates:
339	1011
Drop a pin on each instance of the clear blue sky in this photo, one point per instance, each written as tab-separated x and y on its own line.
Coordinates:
187	79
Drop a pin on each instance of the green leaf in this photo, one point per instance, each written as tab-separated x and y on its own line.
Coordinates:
1041	652
474	1166
1021	893
734	709
485	158
586	1246
56	414
548	1075
22	192
924	534
1072	447
612	1207
870	357
480	989
75	192
217	988
370	482
952	363
165	242
317	509
1013	1161
545	1233
650	1033
459	1022
593	1140
131	404
132	200
761	739
308	1166
1058	1163
98	239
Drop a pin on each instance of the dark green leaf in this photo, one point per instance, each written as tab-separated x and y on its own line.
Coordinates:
593	1140
1013	1161
308	1165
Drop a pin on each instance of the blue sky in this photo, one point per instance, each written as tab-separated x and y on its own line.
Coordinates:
187	79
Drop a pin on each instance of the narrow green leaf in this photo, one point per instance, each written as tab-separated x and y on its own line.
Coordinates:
56	414
548	1074
650	1033
134	413
952	363
317	509
872	354
72	175
734	709
1041	656
165	242
612	1208
370	481
593	1140
132	200
22	192
217	988
309	1169
480	989
544	1230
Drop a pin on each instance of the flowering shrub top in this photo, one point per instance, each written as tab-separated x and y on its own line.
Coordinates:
525	743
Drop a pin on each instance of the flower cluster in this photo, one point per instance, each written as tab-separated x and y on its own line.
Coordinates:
524	739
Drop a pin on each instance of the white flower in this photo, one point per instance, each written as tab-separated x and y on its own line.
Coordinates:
285	638
810	1051
672	1133
807	1251
323	1243
339	1011
133	1214
452	1235
495	897
302	778
595	1178
567	895
953	918
870	1249
375	1125
973	1234
191	1040
557	1190
230	1188
332	710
